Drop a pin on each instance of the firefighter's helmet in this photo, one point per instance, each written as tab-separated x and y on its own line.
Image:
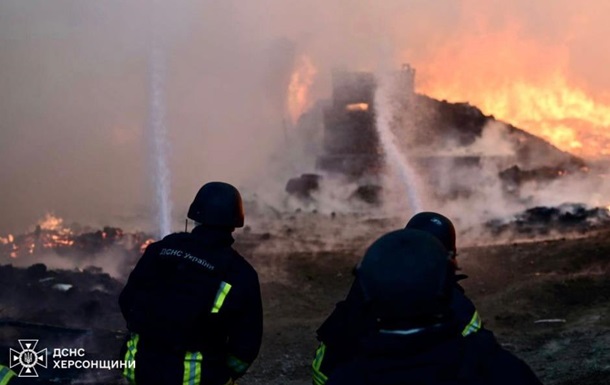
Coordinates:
404	275
217	204
436	224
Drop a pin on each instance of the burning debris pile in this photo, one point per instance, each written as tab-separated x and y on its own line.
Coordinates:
436	137
51	236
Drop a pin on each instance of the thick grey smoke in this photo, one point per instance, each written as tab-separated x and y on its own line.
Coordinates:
74	99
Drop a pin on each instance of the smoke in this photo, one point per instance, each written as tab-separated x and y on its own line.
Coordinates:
111	261
72	137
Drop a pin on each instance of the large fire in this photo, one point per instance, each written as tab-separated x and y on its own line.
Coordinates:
523	82
299	88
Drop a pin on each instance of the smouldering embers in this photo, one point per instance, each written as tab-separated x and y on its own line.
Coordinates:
50	234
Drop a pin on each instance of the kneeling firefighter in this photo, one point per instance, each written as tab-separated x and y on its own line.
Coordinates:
192	303
350	321
417	338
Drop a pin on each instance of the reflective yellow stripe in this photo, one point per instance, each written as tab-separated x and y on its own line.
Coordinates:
220	296
319	378
130	355
473	326
192	368
5	375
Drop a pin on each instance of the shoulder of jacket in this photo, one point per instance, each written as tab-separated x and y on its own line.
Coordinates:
176	236
242	265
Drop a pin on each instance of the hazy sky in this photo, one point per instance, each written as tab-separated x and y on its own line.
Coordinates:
74	82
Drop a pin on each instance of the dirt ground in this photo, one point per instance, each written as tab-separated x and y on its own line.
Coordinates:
513	287
546	301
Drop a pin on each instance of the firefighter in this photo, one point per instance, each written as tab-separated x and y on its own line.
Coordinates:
417	338
192	303
6	375
9	377
341	331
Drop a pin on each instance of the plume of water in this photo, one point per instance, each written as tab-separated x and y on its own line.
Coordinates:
384	110
157	128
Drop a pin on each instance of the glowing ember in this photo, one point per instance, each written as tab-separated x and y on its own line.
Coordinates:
357	107
51	223
51	235
145	244
298	89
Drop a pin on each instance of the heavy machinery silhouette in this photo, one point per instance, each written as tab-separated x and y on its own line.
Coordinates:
351	148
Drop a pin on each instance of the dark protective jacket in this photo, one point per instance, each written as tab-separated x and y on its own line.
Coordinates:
434	356
341	332
194	310
9	377
6	375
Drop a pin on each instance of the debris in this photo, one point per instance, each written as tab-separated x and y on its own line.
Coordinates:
42	326
36	271
303	186
62	286
368	193
550	321
540	220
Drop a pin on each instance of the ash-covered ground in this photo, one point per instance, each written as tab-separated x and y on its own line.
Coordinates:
547	301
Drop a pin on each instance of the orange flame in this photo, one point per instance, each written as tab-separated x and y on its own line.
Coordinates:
524	83
144	245
51	222
51	234
298	89
9	239
357	107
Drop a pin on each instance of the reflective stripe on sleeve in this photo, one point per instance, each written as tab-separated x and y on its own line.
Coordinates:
473	326
192	368
130	355
5	375
220	296
319	378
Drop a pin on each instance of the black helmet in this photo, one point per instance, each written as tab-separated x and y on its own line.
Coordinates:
404	276
436	224
217	204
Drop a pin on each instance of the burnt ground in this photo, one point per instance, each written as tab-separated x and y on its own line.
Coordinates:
566	281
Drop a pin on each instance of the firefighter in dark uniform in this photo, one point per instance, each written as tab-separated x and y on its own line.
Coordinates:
193	303
6	375
417	338
341	331
9	377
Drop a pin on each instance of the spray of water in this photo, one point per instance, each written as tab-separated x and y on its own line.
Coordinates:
384	109
157	126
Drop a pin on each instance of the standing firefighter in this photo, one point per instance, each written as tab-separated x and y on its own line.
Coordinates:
340	333
417	338
6	375
192	303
